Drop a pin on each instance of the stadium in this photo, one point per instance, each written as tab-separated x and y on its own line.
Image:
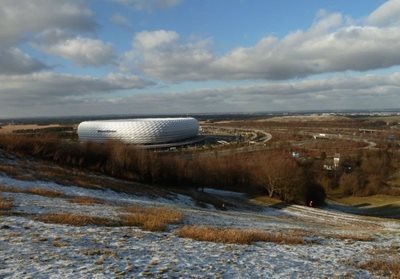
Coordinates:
142	131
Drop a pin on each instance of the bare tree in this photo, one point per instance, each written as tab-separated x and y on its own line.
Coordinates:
283	178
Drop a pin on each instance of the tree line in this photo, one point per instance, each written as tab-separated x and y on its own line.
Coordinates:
274	173
271	172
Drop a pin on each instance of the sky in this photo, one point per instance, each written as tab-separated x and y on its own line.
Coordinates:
97	57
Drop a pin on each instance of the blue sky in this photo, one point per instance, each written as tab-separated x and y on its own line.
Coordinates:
88	57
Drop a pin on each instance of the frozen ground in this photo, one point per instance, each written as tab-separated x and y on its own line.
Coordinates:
31	249
41	250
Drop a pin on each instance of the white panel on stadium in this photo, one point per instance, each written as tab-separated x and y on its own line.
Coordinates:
140	131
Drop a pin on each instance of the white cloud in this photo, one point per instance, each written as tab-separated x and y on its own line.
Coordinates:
299	54
82	51
388	13
149	5
161	54
333	43
149	40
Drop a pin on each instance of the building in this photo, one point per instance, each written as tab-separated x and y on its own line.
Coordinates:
142	131
336	160
332	163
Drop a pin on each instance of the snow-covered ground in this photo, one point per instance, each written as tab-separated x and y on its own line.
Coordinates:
41	250
32	249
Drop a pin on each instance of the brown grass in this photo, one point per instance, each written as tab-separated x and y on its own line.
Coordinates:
150	218
237	236
84	200
16	171
385	261
33	191
45	192
10	128
5	204
76	220
147	218
390	268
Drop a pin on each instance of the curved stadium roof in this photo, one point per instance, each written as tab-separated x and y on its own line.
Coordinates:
140	131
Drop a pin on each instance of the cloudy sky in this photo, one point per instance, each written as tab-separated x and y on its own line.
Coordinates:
88	57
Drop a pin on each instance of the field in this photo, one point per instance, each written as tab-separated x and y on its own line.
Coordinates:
7	129
375	205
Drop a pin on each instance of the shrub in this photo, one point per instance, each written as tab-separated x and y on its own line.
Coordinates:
316	194
349	184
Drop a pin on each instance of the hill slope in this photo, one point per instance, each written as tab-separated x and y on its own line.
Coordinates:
333	243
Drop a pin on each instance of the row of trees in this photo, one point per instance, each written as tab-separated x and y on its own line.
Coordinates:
272	172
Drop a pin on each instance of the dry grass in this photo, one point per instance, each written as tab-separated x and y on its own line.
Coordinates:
147	218
150	218
385	261
76	220
16	171
84	200
44	192
5	204
237	236
33	191
389	268
10	128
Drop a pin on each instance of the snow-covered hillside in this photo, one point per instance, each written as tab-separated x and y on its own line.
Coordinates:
32	249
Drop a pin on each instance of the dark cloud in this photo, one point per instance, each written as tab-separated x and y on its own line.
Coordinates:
73	94
61	88
13	61
149	5
19	19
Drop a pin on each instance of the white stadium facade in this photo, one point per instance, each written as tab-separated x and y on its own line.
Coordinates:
141	131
